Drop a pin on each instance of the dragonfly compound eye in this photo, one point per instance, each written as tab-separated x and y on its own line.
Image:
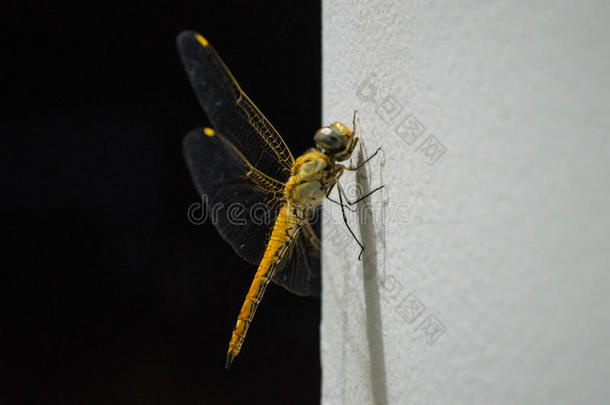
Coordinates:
330	139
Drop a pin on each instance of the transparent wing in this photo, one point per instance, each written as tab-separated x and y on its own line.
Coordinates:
241	202
243	205
230	110
301	273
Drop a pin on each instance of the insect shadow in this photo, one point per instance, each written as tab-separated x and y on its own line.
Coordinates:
371	275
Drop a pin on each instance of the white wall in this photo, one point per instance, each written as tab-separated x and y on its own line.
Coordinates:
488	281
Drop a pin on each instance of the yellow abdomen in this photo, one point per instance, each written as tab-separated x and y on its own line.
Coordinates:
284	230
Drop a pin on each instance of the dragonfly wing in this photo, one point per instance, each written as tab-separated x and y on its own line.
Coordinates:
241	202
301	273
229	108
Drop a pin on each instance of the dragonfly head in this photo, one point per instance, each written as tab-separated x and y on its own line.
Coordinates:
336	140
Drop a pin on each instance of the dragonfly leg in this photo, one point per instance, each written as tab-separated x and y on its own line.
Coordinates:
335	201
363	163
361	198
347	224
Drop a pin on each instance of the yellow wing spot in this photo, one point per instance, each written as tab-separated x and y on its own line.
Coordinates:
201	40
208	131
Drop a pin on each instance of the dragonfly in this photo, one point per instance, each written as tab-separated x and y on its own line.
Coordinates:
243	164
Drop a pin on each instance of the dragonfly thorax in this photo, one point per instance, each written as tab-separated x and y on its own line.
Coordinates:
312	175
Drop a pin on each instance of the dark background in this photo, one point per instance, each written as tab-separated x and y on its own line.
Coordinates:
112	295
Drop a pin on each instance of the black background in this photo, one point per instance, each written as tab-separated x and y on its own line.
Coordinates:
112	295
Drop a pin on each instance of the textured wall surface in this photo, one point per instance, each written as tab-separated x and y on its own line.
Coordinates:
486	272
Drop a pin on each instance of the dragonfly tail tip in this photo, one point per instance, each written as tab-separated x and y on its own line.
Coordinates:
230	358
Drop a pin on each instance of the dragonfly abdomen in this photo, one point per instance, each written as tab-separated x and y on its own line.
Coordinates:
285	228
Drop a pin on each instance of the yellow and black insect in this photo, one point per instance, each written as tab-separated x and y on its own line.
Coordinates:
243	162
